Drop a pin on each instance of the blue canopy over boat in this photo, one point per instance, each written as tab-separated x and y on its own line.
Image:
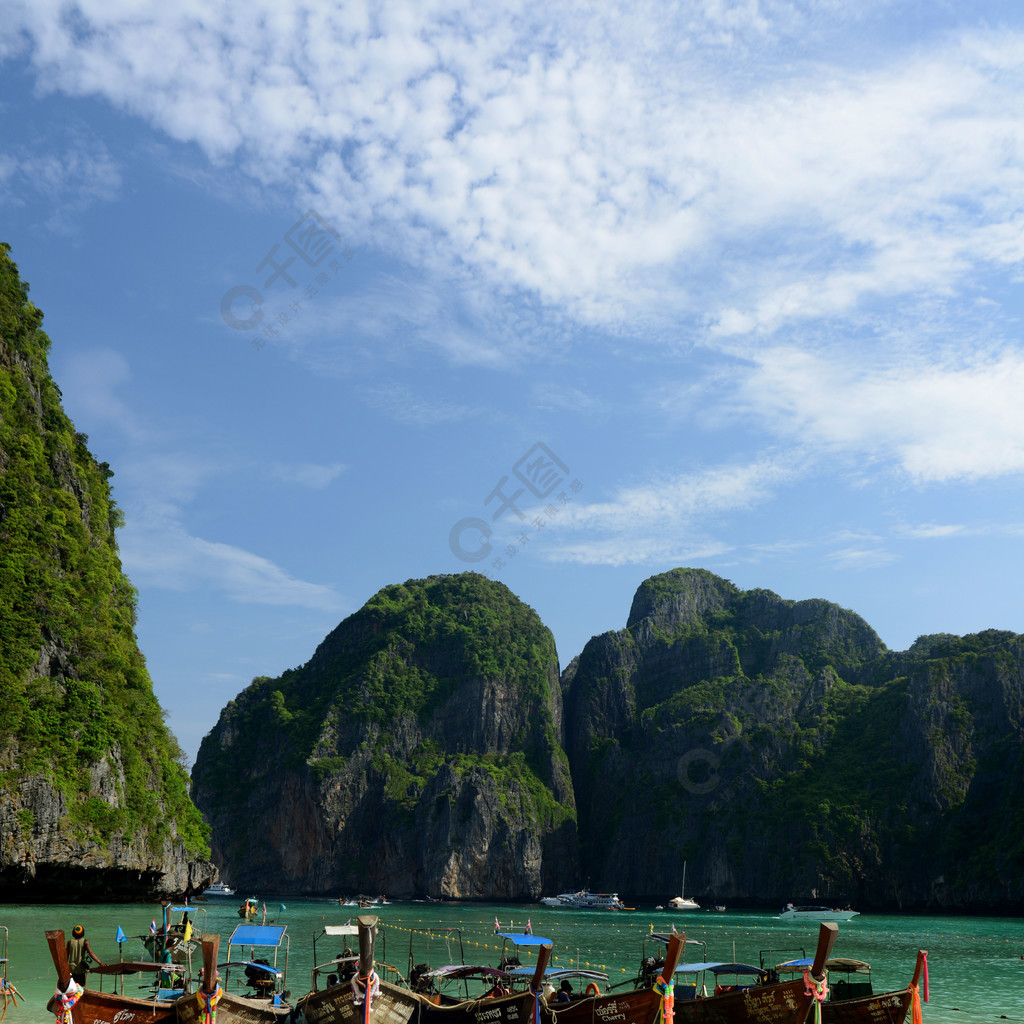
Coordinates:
524	938
255	965
257	935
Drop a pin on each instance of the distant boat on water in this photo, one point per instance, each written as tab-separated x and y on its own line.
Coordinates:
219	889
682	902
586	900
792	913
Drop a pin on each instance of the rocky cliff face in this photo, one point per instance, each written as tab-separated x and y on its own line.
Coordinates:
94	800
780	751
418	751
775	747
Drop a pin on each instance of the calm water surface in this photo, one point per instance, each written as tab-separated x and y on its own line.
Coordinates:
975	966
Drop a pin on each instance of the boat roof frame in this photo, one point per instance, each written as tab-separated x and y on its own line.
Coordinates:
251	936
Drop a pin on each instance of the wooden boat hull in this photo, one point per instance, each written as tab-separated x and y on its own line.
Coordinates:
232	1009
883	1008
784	1003
98	1007
110	1008
397	1005
640	1006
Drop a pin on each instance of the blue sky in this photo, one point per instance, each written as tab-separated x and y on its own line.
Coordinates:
723	284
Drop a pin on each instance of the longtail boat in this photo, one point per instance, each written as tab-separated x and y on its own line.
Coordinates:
180	937
75	1005
370	997
639	1006
764	1002
851	999
242	991
553	976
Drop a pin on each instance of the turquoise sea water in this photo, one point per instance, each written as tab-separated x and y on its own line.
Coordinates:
975	968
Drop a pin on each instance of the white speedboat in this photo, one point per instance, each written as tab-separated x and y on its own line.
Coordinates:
584	900
219	889
792	913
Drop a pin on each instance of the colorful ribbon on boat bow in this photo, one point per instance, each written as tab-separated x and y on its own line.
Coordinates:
817	990
365	989
208	1004
666	990
915	1003
66	1000
536	993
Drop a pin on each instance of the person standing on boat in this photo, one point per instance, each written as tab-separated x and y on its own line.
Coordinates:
79	954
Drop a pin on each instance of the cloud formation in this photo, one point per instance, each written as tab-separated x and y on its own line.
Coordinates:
600	164
727	174
157	483
938	416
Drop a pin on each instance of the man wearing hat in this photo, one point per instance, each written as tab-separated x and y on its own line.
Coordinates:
79	954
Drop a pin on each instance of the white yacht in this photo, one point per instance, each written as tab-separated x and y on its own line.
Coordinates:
219	889
791	913
682	902
584	900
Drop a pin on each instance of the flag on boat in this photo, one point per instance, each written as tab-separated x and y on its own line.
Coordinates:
188	932
120	936
497	926
152	927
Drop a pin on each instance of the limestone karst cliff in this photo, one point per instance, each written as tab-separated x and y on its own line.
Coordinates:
95	800
775	746
418	751
779	750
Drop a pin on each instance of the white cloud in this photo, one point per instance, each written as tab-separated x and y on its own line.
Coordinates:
633	550
934	531
401	402
308	474
386	319
555	395
155	486
666	522
69	175
681	499
939	416
860	558
165	555
599	161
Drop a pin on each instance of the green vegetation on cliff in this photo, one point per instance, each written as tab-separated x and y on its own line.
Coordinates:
76	690
434	708
780	745
407	651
